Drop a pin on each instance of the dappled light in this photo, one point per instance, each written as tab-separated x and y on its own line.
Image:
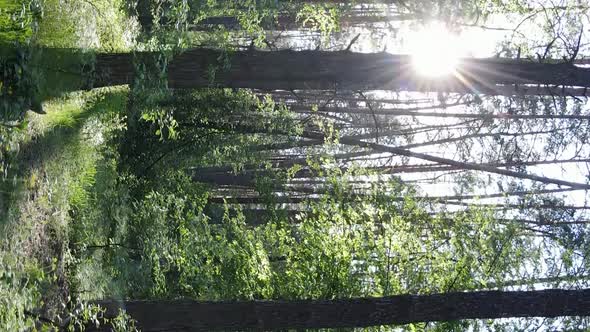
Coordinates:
294	165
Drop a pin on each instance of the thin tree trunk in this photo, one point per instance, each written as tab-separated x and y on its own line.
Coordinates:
553	207
450	162
290	22
243	200
499	195
187	315
321	97
425	168
532	281
225	175
467	137
440	114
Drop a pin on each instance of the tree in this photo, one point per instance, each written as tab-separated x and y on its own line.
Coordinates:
189	315
321	70
290	70
343	70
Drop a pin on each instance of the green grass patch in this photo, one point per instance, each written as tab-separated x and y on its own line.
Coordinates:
58	166
96	24
52	166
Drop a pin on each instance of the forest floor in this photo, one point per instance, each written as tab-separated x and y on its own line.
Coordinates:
55	169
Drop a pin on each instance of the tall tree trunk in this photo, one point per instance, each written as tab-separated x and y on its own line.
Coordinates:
343	70
318	70
186	315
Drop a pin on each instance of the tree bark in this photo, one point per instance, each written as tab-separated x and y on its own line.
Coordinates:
342	70
186	315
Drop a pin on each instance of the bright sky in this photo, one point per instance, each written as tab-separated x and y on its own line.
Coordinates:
436	50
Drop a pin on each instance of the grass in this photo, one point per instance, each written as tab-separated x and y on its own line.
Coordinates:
56	174
95	24
57	168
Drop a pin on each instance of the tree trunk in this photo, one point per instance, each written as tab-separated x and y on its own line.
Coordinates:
186	315
342	70
320	70
450	162
440	114
425	168
286	22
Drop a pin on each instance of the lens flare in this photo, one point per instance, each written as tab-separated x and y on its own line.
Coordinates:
435	51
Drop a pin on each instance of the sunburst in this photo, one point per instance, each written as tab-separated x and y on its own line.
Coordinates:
435	50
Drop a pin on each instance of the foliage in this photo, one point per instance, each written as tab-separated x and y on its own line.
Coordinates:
173	249
18	86
320	17
19	292
103	198
91	315
18	19
202	121
93	24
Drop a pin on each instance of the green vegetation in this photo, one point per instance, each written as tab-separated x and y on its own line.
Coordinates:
143	192
50	162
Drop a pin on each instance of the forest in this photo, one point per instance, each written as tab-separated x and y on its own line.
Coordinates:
294	165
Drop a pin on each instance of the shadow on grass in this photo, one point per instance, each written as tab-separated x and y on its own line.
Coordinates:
65	121
57	164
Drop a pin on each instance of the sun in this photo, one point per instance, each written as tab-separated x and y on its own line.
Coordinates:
434	49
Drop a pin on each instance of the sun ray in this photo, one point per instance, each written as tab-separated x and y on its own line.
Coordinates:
435	50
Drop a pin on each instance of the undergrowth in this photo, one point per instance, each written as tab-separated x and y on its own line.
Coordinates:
51	164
